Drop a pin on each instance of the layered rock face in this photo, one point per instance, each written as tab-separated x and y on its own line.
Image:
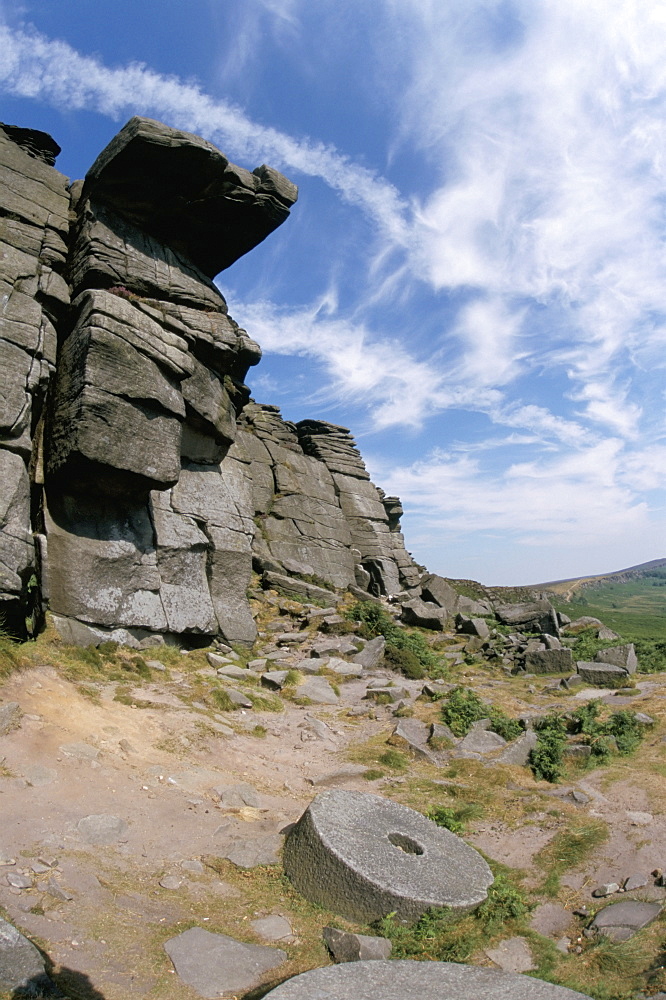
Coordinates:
34	206
138	480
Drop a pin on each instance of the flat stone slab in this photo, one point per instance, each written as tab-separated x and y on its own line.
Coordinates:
318	691
102	830
407	980
602	674
550	919
10	717
262	849
363	856
479	741
512	955
236	796
80	751
215	965
274	927
620	921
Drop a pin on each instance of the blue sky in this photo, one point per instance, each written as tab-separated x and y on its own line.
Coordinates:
474	277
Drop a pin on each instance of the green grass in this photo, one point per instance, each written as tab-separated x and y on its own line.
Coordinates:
568	850
606	734
443	936
455	819
636	609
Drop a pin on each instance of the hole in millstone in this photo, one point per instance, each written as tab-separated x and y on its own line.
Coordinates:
405	843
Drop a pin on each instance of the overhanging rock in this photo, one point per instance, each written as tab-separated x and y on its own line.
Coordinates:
364	856
139	484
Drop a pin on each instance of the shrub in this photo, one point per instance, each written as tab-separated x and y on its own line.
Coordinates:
584	719
651	655
504	903
503	725
404	660
375	620
546	758
464	707
626	729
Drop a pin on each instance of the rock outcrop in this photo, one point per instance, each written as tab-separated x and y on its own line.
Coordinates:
139	484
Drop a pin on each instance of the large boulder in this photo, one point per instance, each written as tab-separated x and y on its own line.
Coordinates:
424	614
436	590
548	661
603	674
364	856
621	656
530	616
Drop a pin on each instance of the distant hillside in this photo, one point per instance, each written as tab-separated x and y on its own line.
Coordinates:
567	588
631	601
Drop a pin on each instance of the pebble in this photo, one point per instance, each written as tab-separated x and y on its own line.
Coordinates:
606	889
192	866
57	891
18	881
171	882
634	882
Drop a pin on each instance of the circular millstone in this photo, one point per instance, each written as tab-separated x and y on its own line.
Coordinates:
405	980
363	856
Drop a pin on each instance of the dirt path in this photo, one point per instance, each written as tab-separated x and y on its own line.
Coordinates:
102	910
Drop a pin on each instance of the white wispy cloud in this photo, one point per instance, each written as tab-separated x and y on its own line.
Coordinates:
548	123
545	137
32	65
395	386
567	499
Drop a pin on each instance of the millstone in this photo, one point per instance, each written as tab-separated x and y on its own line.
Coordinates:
405	980
363	856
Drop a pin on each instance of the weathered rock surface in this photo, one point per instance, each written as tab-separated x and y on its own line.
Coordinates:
548	661
22	968
512	955
409	980
619	656
620	921
136	502
214	964
10	717
603	674
364	856
348	947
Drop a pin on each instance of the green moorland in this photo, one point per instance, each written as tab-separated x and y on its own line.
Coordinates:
635	609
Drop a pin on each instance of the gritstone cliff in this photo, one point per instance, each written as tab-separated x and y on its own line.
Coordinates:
139	483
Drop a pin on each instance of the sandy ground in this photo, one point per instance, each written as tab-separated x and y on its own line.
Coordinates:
155	770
